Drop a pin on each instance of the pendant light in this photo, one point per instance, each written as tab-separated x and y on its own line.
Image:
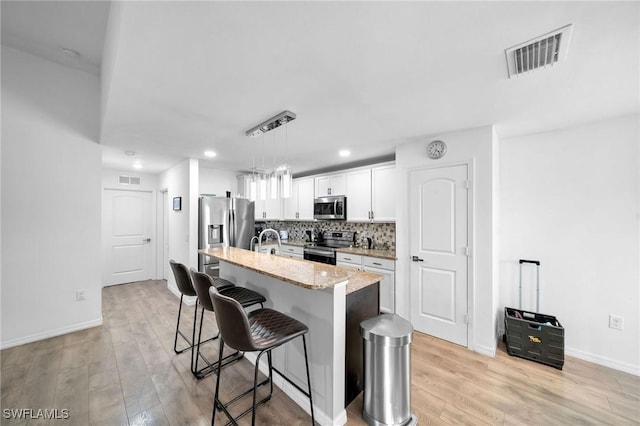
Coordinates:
277	182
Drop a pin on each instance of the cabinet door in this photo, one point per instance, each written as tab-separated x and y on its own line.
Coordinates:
330	185
291	204
259	210
338	185
323	183
358	192
387	289
292	251
305	199
383	193
273	209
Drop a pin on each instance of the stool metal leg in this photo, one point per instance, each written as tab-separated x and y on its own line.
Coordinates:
217	404
306	362
210	367
193	337
216	400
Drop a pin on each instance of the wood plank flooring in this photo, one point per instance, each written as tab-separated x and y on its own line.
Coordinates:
125	373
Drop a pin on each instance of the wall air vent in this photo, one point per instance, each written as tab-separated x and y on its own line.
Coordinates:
128	180
541	52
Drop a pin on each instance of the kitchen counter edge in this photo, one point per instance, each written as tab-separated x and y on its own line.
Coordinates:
312	276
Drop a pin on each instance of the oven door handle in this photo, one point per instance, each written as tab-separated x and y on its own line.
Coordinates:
319	252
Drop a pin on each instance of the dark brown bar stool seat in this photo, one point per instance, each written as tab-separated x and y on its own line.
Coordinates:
244	296
260	331
185	287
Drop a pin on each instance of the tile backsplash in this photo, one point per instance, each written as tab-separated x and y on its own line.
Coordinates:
382	234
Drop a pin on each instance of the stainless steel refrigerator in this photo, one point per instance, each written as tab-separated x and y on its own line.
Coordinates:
223	222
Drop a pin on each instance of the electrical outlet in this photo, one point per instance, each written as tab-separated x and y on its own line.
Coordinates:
616	322
81	295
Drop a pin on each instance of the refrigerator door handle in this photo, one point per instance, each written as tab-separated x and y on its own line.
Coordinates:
230	226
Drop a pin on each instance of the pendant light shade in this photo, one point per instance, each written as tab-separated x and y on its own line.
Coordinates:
262	187
273	185
253	188
286	182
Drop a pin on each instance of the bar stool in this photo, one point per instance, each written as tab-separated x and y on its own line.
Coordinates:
185	286
244	296
260	331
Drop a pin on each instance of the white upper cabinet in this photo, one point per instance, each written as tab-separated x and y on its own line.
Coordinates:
273	209
300	205
383	193
330	185
305	199
358	192
371	194
291	203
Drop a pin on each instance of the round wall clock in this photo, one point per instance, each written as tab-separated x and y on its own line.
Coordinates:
436	149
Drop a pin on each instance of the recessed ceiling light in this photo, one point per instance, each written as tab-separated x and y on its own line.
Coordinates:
209	154
137	166
344	153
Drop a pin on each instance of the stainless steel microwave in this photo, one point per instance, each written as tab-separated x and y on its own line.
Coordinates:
333	207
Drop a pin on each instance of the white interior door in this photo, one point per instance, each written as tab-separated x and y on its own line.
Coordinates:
439	280
126	236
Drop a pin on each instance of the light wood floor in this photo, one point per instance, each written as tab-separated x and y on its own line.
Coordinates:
125	372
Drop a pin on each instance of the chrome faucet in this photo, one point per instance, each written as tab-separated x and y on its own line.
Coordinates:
252	243
277	236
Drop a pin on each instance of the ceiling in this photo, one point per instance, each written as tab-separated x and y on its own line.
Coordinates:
180	78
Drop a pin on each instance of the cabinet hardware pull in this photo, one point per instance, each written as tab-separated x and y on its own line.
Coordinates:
376	263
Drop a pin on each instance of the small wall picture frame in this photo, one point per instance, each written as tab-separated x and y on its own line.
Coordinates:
177	204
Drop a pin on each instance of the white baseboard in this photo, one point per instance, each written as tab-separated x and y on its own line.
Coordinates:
485	350
597	359
298	397
50	333
604	361
187	300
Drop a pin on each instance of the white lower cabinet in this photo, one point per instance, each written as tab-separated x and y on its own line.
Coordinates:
292	251
268	248
384	267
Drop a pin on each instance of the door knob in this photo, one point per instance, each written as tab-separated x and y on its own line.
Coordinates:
416	259
146	240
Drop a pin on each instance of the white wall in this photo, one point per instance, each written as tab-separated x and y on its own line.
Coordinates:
218	182
50	199
182	181
479	147
570	198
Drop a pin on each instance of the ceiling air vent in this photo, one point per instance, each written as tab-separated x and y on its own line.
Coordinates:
541	52
128	180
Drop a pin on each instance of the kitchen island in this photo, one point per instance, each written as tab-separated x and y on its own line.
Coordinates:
331	301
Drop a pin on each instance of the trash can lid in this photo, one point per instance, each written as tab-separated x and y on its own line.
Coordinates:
387	329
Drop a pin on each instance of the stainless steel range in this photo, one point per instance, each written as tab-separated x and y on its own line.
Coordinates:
324	250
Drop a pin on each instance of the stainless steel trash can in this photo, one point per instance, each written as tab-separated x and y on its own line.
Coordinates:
387	370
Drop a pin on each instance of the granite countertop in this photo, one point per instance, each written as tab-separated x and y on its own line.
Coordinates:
298	243
382	254
303	273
